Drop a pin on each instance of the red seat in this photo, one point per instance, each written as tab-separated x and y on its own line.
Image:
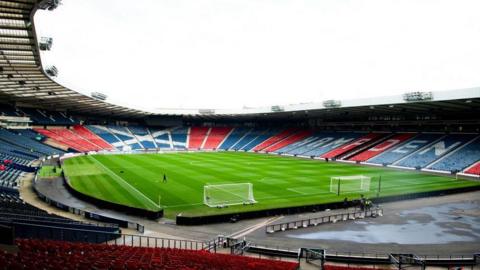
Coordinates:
46	254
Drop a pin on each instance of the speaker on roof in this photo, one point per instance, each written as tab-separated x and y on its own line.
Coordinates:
45	43
51	71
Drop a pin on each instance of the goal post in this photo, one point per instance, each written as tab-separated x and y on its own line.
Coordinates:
349	184
220	195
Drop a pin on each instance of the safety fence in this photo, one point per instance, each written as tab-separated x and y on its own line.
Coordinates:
304	223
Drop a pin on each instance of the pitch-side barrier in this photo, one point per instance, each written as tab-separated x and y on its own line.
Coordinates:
304	223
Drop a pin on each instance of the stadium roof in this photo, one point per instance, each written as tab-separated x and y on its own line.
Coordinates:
23	81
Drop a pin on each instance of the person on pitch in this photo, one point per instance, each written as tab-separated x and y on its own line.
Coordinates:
164	178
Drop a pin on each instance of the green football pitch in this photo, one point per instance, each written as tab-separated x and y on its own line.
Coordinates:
137	180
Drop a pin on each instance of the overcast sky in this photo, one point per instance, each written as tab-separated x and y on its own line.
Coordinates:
235	53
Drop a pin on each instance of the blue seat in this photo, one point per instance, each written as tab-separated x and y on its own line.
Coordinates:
422	158
405	149
233	138
461	159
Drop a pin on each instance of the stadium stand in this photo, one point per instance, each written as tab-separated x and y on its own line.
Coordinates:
20	146
162	138
382	147
44	117
352	146
474	169
71	139
9	177
31	222
32	139
434	151
105	134
58	139
235	136
247	138
126	136
274	139
36	254
326	141
6	110
460	159
92	137
259	139
215	137
179	137
197	136
142	134
290	148
404	149
289	140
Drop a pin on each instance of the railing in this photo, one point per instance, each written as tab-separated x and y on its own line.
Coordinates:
32	231
156	242
304	223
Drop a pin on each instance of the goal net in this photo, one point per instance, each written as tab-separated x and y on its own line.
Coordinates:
349	184
228	194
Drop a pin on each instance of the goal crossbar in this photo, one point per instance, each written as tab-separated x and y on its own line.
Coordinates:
228	194
349	184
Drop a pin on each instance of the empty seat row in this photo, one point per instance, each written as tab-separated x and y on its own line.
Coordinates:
35	254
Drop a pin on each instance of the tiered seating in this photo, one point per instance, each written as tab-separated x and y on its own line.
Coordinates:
475	169
38	116
353	145
291	148
31	138
35	254
75	139
126	136
299	136
44	117
14	150
274	139
15	160
326	141
250	136
197	136
381	147
31	222
216	136
161	138
104	133
12	204
260	138
59	139
6	110
424	157
143	136
461	159
9	177
67	137
90	136
405	149
234	137
179	137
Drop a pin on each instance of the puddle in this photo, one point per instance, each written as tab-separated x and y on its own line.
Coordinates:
442	224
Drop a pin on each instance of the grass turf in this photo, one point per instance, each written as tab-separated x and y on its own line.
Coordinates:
136	180
50	172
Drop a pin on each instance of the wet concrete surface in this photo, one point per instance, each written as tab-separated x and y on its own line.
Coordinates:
442	224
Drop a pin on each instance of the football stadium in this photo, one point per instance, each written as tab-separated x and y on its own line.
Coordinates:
391	182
